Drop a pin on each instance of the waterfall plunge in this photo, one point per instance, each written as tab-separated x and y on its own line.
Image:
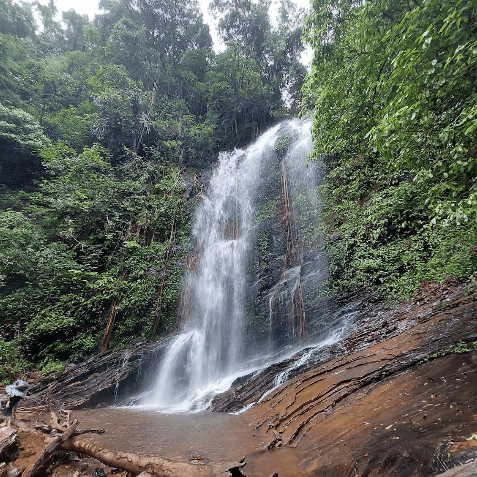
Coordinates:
210	353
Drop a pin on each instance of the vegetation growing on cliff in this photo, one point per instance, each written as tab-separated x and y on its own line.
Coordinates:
393	89
99	122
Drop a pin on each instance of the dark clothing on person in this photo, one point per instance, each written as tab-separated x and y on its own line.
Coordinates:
11	402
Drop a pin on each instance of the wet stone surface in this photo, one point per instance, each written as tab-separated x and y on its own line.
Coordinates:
397	397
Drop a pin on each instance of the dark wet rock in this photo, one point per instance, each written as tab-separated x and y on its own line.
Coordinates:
466	470
115	377
401	403
368	326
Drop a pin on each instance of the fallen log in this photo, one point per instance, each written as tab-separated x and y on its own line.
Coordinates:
7	438
136	464
43	457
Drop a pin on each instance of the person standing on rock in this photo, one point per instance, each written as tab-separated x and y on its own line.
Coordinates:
15	392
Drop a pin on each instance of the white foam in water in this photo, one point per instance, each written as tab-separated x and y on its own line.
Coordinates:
282	377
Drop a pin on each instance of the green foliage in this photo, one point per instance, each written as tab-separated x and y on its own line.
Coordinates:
49	366
435	107
70	126
89	237
378	235
460	348
463	347
392	88
239	99
87	80
97	121
267	211
19	127
12	361
264	250
16	19
185	139
282	145
275	46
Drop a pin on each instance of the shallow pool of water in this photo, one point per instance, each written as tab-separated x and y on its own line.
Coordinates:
216	436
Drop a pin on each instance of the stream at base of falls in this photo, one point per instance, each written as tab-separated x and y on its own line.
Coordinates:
181	437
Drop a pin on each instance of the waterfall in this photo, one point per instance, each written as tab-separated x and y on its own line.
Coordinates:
213	349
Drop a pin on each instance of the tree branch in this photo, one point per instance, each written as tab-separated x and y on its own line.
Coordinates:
137	464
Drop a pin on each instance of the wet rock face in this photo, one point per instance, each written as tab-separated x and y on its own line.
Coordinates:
287	268
371	323
115	377
396	398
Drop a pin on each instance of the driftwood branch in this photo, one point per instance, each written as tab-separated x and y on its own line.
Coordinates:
80	432
43	457
42	426
46	429
55	422
153	465
7	438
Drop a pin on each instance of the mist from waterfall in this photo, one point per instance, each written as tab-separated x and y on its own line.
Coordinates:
210	352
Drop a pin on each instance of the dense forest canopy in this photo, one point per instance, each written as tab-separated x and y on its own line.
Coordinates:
101	122
393	88
105	125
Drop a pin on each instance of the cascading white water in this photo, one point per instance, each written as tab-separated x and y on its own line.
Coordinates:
205	357
210	352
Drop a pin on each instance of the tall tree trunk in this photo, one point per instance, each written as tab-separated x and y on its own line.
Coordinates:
157	312
109	328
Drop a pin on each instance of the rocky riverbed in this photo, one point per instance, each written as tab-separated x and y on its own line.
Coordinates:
398	397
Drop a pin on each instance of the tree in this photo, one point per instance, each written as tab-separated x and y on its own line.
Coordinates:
126	46
74	32
169	24
245	26
51	36
395	112
21	137
16	19
239	100
397	79
119	102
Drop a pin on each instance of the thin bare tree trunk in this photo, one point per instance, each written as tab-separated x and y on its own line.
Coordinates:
109	328
157	312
